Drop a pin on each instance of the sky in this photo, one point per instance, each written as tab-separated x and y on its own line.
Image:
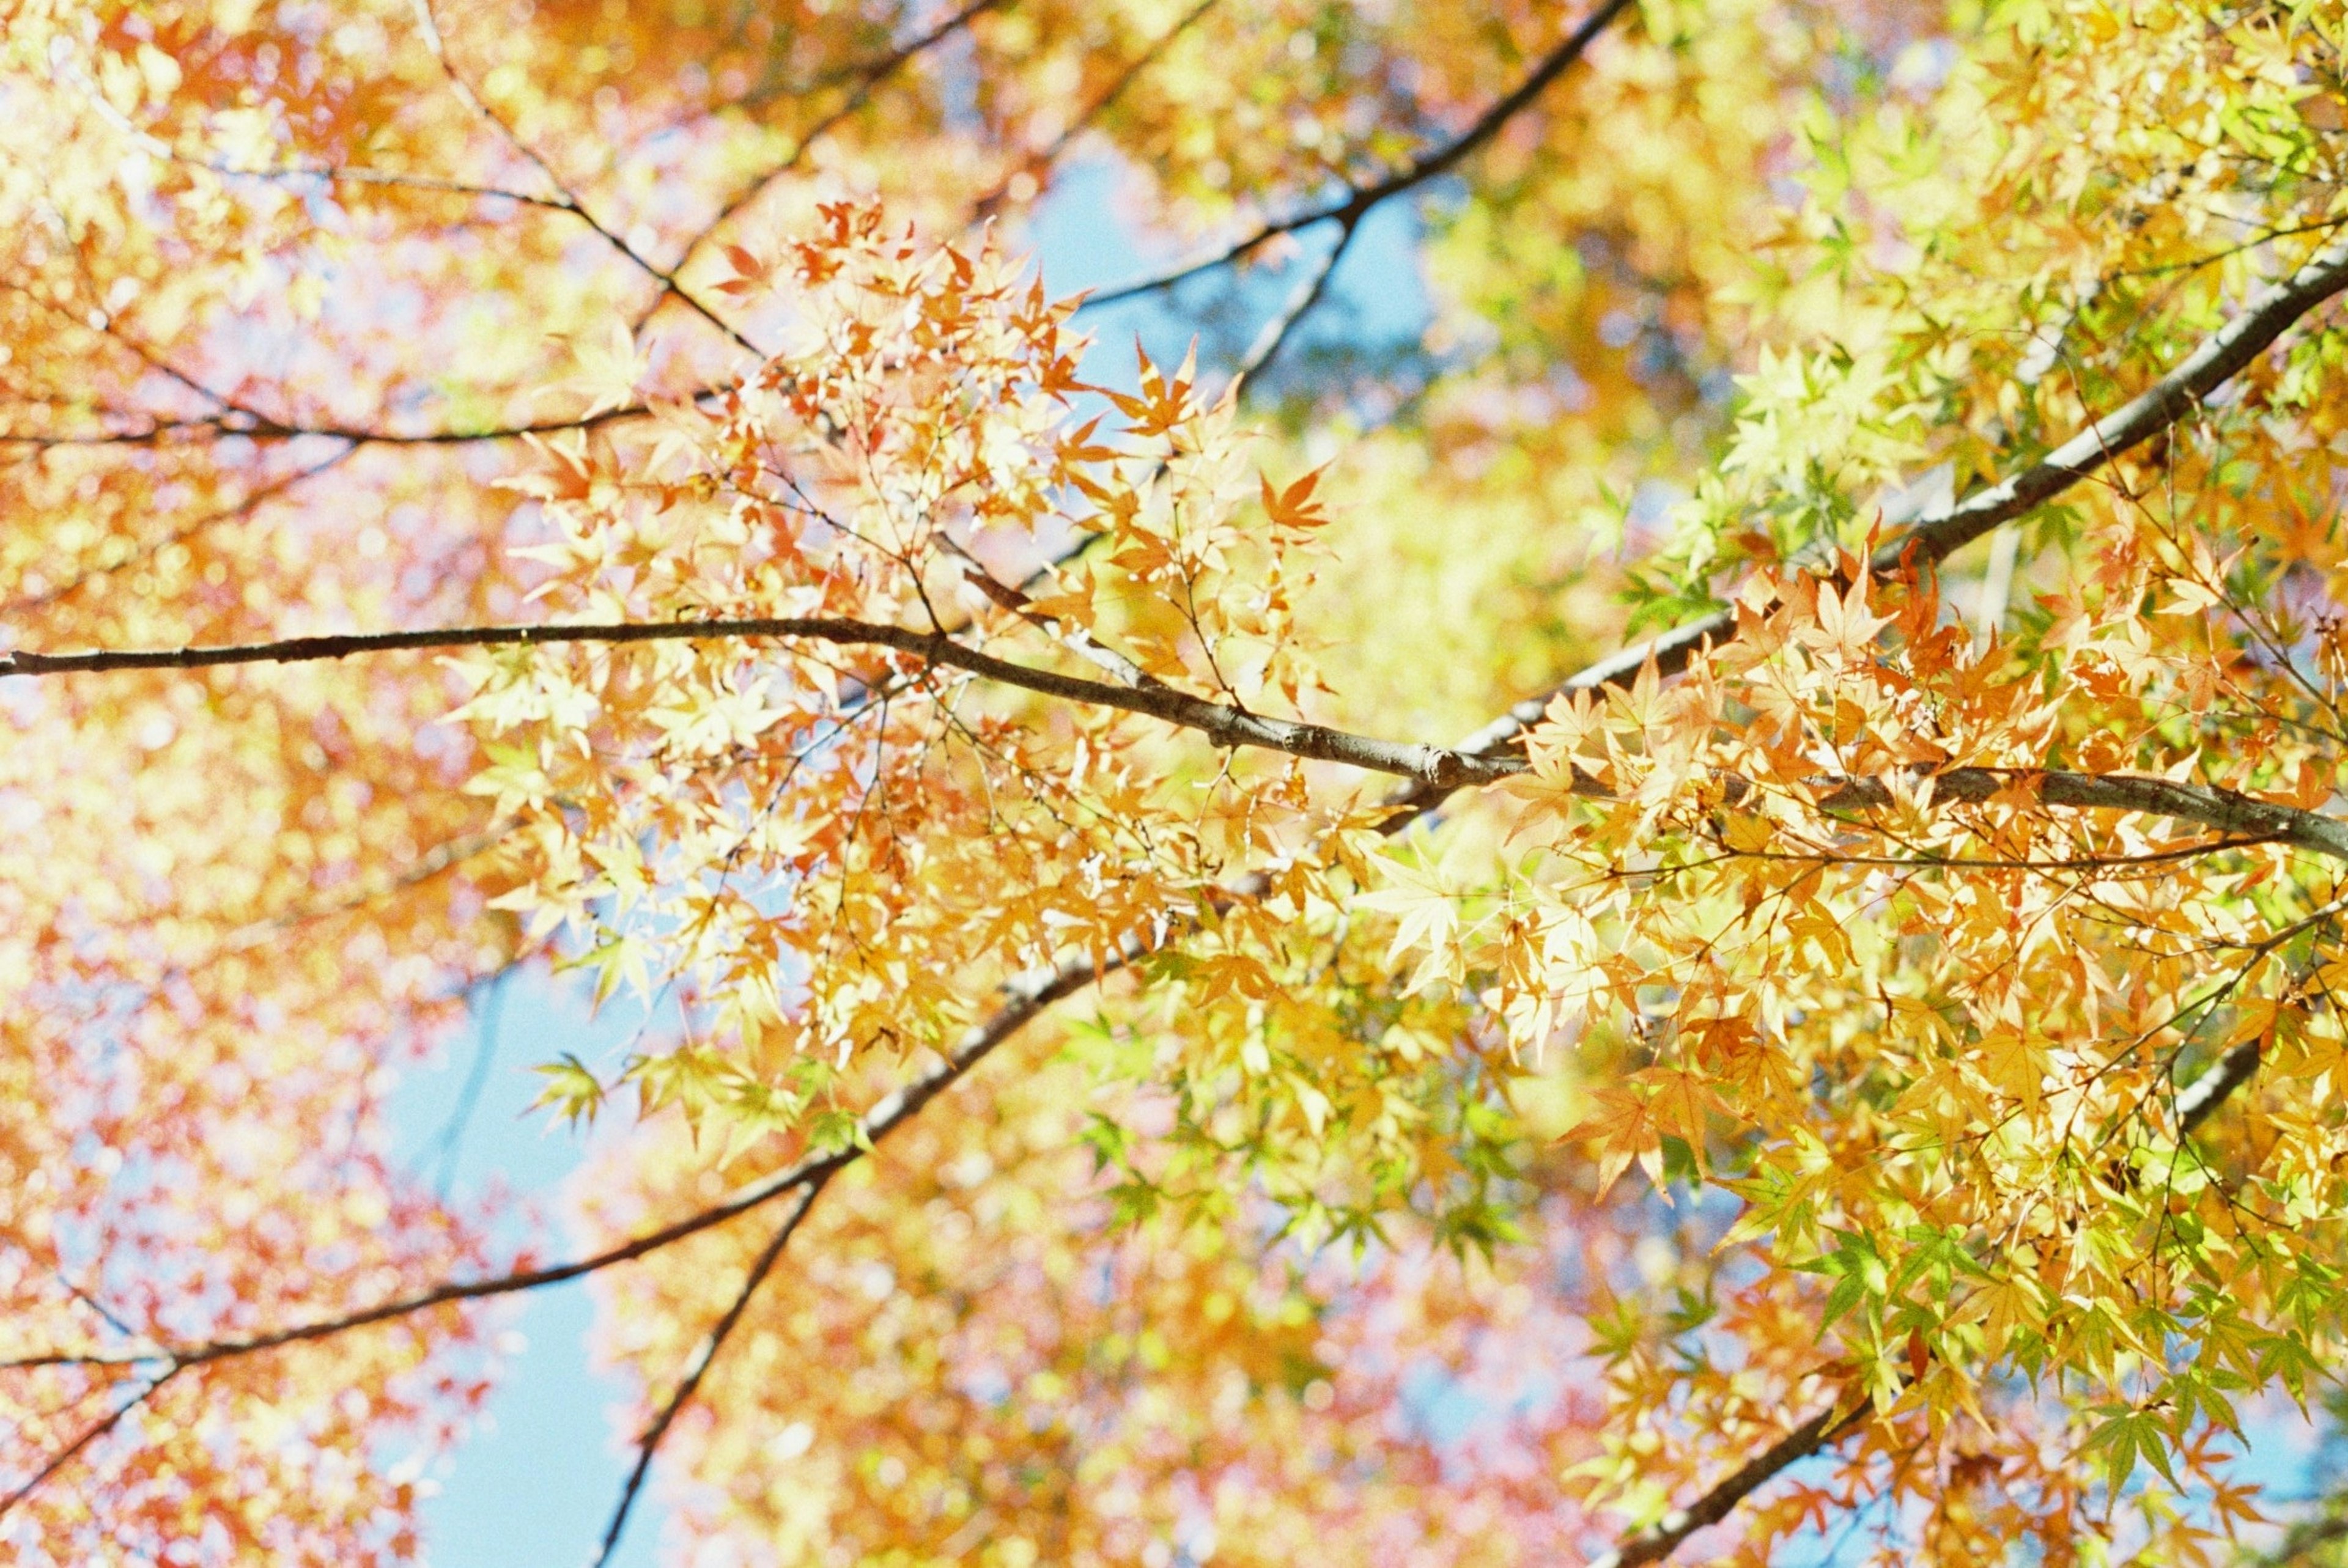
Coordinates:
536	1482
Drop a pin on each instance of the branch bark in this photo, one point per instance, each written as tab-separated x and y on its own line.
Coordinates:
1436	770
2240	816
1224	723
1663	1538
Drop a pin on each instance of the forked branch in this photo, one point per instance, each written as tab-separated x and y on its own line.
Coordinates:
1023	1001
1356	202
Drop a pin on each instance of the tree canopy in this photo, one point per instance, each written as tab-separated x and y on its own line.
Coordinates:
1729	853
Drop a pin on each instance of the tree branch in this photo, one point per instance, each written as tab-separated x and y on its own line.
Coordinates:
2194	1107
352	174
873	76
1024	999
1663	1538
487	1015
88	1435
564	199
1359	200
2240	816
2301	1540
1431	768
649	1442
1222	723
2205	1093
2210	365
1941	533
1275	332
214	426
985	206
131	556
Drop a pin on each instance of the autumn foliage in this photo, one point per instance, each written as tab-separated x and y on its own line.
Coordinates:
1691	910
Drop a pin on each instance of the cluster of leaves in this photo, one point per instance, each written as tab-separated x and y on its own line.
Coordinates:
841	847
1023	1374
1948	948
1825	916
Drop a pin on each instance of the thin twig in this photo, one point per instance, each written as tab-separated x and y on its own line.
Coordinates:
648	1443
90	1434
393	178
166	432
245	508
1293	310
451	1141
750	190
564	198
1050	155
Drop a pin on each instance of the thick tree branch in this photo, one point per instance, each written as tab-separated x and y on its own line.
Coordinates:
1359	200
1433	768
1222	723
2240	816
2205	1093
2210	365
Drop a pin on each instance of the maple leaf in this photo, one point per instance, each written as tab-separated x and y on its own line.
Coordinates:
1624	1128
1293	509
609	370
